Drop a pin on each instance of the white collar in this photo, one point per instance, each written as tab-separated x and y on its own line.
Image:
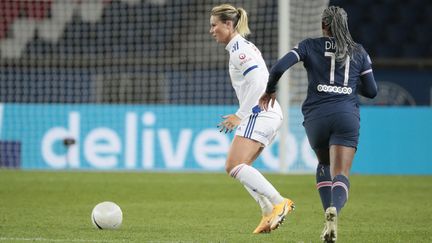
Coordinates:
233	41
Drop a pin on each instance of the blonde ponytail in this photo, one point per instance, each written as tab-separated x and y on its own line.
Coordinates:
242	23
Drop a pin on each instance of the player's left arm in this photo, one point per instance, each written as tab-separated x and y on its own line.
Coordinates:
256	84
253	91
249	64
229	122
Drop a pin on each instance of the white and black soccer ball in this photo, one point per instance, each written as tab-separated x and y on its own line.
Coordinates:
107	215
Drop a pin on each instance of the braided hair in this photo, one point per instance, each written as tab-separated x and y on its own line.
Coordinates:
336	21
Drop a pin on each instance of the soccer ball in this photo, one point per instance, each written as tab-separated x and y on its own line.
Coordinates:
107	215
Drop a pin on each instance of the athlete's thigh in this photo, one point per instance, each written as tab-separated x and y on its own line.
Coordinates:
318	133
261	127
243	150
323	155
345	130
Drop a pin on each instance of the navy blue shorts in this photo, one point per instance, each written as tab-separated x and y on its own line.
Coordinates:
335	129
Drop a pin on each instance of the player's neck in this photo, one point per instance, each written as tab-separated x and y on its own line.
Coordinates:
232	36
326	33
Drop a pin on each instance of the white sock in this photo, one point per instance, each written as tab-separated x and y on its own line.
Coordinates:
265	204
252	178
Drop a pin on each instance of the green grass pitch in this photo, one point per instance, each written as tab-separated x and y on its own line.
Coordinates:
42	206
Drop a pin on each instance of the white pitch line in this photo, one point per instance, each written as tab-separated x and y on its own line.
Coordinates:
55	240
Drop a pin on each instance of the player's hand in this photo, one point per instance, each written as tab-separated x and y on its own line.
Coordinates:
229	123
266	99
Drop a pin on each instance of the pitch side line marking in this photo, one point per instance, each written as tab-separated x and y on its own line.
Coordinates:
55	240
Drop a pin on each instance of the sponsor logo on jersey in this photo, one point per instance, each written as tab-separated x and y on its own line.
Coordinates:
245	61
242	56
334	89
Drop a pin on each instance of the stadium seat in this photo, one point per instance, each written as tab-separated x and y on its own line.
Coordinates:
393	23
396	35
367	35
407	14
421	36
9	11
414	51
388	51
382	13
355	14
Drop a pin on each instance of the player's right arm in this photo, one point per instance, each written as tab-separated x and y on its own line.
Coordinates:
279	68
297	54
276	72
367	86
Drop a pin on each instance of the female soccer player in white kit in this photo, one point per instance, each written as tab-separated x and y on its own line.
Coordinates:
255	128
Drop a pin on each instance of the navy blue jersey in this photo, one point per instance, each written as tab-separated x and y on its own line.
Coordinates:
332	87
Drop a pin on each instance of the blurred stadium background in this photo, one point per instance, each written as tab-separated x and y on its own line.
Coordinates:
140	84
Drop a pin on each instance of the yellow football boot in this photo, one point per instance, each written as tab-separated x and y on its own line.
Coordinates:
264	225
279	213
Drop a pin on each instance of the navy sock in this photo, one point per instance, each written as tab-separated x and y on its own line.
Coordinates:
324	184
340	190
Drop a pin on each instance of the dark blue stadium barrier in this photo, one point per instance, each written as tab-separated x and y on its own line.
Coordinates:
402	87
46	85
10	154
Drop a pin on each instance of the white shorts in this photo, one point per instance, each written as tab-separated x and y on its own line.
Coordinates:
261	127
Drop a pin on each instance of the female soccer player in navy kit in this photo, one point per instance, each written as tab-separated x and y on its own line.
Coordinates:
338	69
255	128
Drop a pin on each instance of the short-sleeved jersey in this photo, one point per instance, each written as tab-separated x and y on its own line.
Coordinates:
249	75
332	87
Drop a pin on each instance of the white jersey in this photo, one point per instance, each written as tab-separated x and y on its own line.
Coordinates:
249	75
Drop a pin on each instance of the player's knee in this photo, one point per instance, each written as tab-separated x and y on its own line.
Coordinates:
228	167
323	156
345	172
324	162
